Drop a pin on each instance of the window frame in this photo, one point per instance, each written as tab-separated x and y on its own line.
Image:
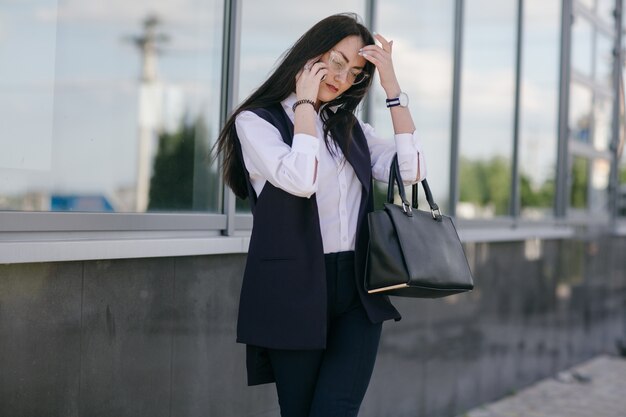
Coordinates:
67	236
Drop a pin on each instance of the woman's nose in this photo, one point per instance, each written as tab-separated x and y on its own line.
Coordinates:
342	76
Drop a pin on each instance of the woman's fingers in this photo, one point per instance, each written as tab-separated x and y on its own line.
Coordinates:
311	62
385	44
375	57
374	48
318	70
380	56
309	79
310	68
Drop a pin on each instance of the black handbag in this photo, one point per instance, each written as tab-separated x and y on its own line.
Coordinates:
411	252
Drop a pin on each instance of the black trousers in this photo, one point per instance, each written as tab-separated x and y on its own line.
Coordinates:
331	382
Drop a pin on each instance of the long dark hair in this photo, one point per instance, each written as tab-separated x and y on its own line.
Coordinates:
318	40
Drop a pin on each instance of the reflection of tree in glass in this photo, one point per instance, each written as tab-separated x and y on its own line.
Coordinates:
622	191
181	161
532	196
578	195
486	183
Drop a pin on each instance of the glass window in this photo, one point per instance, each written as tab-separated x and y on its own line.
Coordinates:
606	9
265	34
110	108
587	3
603	109
582	42
265	37
598	192
539	107
423	60
604	60
621	208
580	112
487	102
579	180
621	155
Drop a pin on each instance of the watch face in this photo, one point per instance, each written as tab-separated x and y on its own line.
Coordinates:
404	99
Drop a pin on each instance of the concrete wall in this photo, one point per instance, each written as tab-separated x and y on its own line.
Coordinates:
155	337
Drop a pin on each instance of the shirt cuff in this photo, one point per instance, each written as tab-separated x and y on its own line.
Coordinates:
406	143
305	144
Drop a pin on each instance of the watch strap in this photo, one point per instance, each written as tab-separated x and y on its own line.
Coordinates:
392	102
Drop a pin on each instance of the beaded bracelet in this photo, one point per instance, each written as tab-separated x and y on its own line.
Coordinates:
297	103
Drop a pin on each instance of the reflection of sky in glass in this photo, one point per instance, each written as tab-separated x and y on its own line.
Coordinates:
266	34
604	60
73	105
587	3
422	53
26	94
488	79
580	112
487	98
582	39
539	98
605	11
602	123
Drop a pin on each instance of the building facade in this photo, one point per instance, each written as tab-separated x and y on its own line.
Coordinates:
121	250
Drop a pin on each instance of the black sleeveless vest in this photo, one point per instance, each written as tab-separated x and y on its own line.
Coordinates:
283	296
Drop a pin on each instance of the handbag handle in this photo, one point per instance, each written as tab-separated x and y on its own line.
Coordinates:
395	178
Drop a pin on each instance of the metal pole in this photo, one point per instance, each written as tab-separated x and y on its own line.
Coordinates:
614	186
230	90
370	19
515	203
455	111
562	171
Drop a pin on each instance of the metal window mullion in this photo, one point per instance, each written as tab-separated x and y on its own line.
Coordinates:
615	125
562	171
21	221
582	79
593	18
515	202
587	150
229	90
370	20
456	105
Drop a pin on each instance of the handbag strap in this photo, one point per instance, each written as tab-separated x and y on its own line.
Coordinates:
395	179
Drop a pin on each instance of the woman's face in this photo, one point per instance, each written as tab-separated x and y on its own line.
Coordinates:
344	64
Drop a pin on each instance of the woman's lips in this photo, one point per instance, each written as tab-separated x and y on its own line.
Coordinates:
332	88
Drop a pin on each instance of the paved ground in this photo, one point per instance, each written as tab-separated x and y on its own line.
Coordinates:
596	388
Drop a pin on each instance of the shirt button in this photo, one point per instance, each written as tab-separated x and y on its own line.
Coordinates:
345	239
343	186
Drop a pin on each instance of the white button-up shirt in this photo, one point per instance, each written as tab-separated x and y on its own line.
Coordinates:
338	191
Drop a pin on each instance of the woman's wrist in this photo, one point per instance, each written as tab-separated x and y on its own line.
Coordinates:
301	102
392	90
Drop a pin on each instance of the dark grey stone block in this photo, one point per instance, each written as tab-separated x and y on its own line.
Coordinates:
128	321
40	339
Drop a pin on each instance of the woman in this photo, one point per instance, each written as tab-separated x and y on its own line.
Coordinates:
296	149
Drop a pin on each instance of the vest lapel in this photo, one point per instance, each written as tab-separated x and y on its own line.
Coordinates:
358	155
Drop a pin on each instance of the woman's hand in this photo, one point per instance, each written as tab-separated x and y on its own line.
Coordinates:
309	78
380	56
